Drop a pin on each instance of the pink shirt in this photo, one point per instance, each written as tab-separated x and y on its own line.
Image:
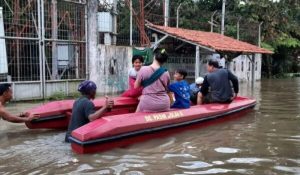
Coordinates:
154	97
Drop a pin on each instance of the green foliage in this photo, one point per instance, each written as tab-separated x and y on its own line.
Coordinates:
267	46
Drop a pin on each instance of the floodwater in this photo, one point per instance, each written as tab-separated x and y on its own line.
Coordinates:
264	141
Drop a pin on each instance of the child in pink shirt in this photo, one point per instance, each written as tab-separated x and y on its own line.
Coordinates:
137	62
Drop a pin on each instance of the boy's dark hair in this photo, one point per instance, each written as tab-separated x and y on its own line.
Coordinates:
161	55
182	72
4	87
214	63
137	57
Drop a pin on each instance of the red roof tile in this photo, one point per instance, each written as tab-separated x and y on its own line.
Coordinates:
211	40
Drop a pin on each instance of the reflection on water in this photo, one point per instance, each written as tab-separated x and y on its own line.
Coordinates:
264	141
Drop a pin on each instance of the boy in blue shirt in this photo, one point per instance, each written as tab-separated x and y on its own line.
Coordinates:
181	90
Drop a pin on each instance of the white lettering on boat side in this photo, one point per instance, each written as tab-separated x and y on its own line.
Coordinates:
166	116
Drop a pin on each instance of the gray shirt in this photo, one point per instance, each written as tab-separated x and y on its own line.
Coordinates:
219	84
82	108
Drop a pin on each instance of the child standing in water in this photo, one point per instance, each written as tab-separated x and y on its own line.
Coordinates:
137	62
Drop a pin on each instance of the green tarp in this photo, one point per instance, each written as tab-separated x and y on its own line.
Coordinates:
147	53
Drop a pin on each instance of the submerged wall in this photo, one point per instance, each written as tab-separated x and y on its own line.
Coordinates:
242	68
110	69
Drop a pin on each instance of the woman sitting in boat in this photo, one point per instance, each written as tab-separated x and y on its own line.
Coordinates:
83	110
155	81
137	62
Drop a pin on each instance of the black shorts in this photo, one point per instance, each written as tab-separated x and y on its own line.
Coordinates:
208	99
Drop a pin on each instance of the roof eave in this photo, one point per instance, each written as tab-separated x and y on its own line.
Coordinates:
187	41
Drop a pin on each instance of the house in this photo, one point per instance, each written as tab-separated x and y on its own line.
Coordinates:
243	59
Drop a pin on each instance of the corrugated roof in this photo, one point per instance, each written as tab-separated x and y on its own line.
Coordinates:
210	40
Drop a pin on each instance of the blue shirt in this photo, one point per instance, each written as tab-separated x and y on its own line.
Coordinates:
194	89
181	90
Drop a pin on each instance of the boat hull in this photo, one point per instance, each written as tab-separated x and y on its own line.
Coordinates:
122	130
57	114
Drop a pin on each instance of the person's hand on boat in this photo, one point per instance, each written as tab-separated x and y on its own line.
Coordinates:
31	117
234	96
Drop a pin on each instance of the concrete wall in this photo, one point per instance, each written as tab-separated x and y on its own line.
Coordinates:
242	67
244	74
110	69
30	90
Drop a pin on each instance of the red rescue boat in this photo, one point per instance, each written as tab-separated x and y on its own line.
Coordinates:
56	114
122	127
126	128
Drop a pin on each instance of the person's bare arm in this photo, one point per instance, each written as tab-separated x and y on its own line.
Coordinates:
108	105
16	119
137	83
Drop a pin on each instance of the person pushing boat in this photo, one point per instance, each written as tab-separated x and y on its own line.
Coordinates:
6	95
83	110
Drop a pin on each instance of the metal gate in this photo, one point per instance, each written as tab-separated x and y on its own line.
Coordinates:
45	40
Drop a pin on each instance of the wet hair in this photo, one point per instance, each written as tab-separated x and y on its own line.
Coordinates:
137	57
161	55
182	72
214	63
4	87
87	87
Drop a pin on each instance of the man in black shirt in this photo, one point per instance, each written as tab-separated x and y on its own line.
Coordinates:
83	110
216	87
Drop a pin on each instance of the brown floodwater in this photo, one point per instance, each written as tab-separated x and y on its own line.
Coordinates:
264	141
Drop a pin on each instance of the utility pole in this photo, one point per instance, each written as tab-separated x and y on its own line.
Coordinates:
259	34
177	16
166	14
223	17
211	22
238	29
54	43
92	8
130	22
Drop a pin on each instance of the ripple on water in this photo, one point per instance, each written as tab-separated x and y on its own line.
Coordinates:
218	170
134	173
194	165
288	169
122	167
248	160
166	156
226	150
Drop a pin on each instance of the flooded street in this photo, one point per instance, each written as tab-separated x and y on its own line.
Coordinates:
264	141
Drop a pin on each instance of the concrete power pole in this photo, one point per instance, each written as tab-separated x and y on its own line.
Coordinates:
177	15
166	14
131	22
223	17
92	34
54	32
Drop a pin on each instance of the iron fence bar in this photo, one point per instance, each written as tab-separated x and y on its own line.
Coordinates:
74	2
18	38
43	57
65	41
87	75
